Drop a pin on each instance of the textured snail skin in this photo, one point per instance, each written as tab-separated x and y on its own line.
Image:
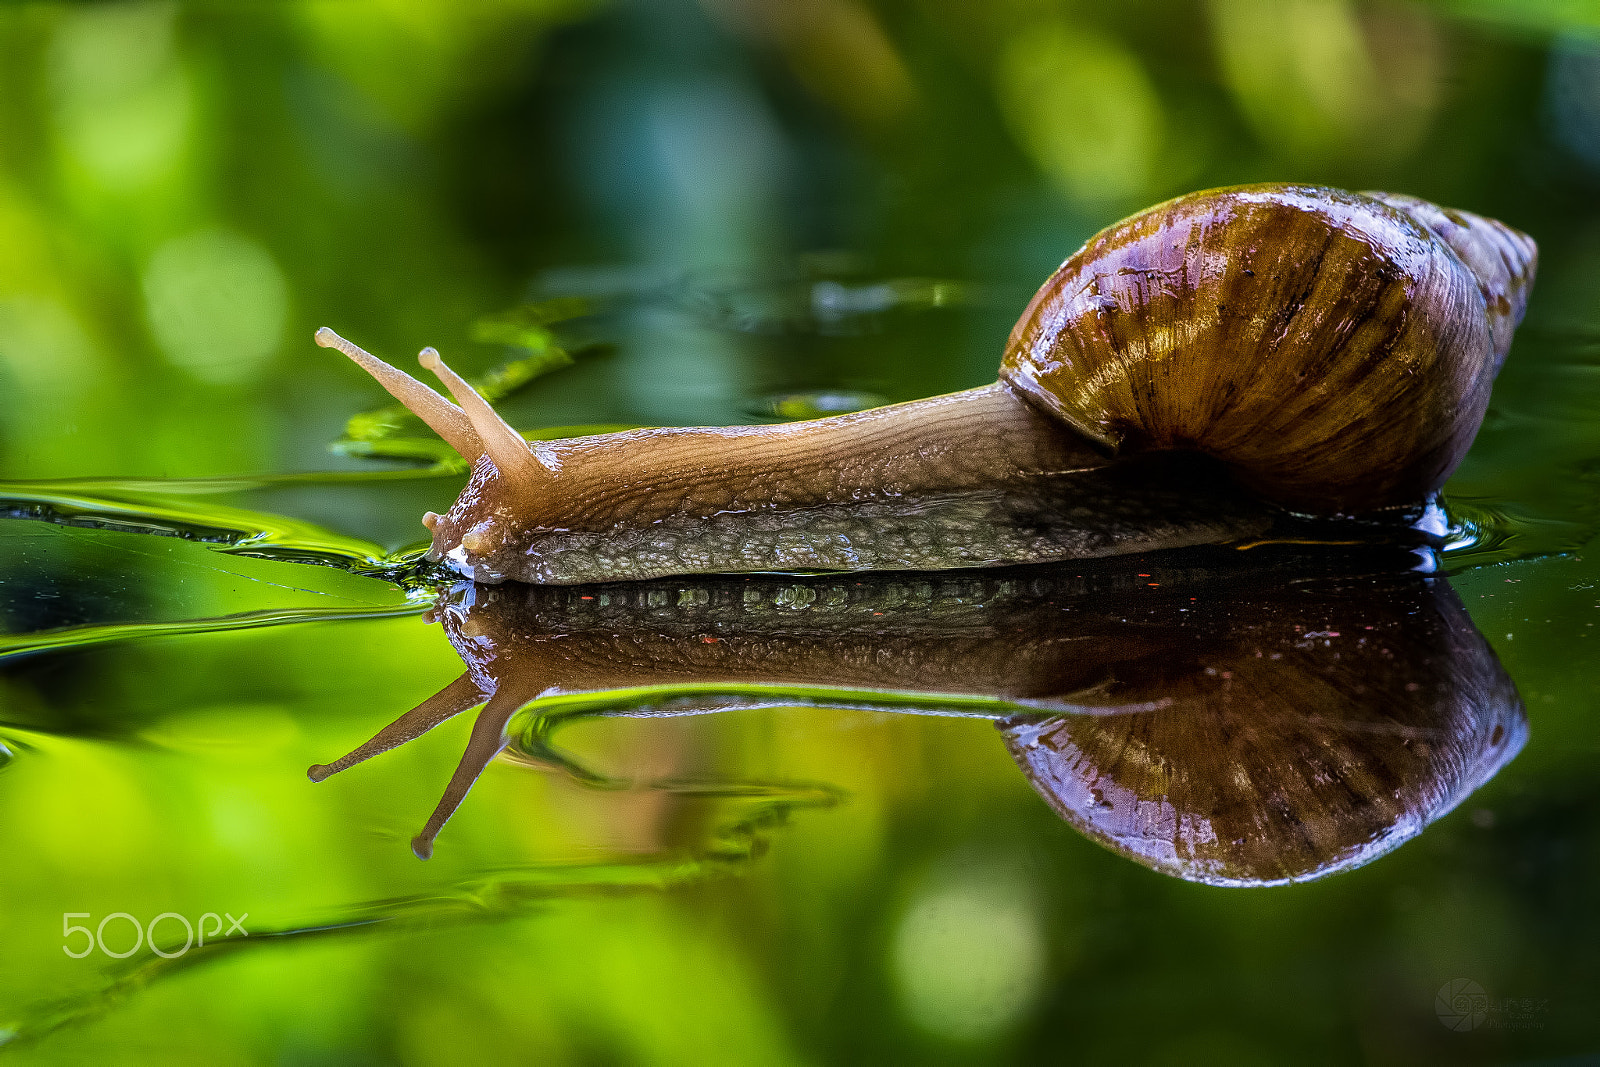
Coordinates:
1331	352
1225	717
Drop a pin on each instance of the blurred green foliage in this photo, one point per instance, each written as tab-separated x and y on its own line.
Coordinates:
188	190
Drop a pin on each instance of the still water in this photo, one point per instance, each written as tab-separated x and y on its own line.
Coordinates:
1225	804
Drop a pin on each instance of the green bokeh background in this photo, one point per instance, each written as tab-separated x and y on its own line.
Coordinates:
752	198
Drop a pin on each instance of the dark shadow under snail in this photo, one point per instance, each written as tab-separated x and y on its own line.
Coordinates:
1236	718
1328	353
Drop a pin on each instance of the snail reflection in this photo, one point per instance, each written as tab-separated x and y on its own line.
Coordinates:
1223	716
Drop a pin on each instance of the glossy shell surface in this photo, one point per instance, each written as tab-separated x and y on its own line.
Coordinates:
1336	349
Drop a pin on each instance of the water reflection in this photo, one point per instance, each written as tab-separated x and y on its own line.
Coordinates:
1236	718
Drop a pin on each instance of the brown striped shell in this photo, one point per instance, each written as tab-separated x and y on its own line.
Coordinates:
1335	349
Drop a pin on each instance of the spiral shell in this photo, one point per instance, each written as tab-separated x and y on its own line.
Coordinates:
1335	349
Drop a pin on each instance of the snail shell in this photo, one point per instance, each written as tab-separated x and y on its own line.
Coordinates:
1292	332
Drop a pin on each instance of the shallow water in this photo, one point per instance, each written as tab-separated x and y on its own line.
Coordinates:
176	656
1047	814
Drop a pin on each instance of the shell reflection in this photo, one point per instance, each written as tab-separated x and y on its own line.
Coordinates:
1236	718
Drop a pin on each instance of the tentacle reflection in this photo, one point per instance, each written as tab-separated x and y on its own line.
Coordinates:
1237	718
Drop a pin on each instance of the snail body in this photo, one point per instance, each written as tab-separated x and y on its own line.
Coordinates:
1331	353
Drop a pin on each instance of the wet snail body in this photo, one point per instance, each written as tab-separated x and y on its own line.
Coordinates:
1331	352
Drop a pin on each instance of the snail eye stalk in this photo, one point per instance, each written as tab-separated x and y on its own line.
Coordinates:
511	454
443	417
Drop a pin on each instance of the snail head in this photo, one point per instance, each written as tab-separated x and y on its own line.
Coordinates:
479	532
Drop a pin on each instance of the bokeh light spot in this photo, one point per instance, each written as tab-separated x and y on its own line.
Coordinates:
44	348
217	304
123	105
1083	108
969	958
1325	80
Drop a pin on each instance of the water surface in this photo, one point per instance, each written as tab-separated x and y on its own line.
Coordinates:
897	848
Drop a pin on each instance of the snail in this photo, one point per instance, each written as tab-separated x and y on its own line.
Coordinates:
1328	353
1236	719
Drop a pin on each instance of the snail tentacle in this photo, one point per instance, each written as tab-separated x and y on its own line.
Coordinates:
442	417
505	446
487	741
452	700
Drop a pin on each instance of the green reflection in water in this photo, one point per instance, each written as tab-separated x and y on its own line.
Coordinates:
168	509
746	817
81	636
